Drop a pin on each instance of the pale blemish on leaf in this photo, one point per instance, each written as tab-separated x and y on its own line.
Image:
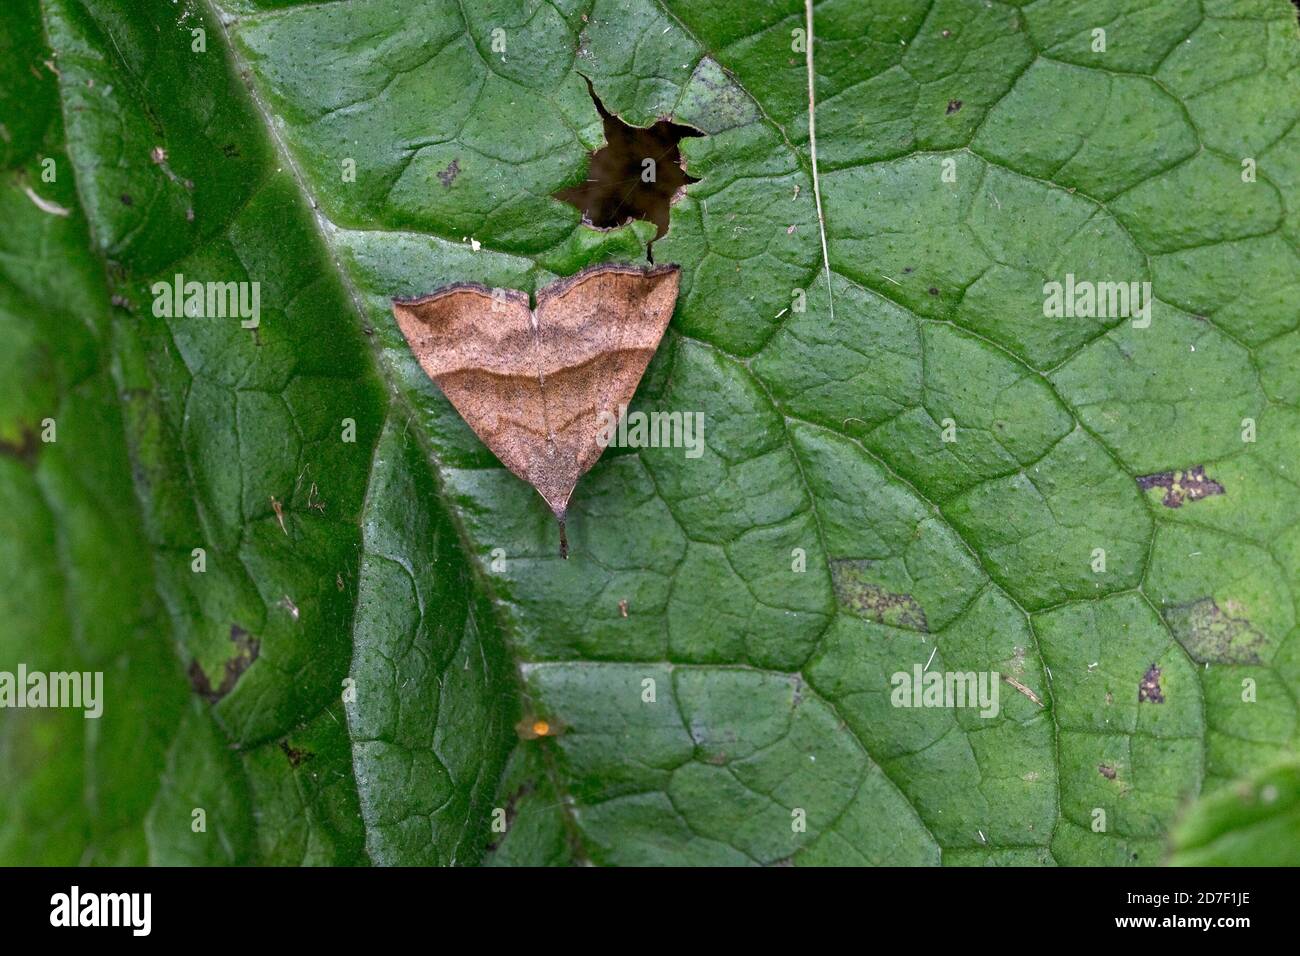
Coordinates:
863	598
1215	635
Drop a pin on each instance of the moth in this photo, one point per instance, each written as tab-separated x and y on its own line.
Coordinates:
533	382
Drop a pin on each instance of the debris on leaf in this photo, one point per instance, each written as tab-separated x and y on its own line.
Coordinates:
279	513
45	205
534	728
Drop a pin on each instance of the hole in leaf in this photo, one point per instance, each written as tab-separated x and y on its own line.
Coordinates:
635	175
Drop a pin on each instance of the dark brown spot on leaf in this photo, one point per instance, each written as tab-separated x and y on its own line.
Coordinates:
1149	687
293	755
1180	486
448	175
953	106
247	648
1106	771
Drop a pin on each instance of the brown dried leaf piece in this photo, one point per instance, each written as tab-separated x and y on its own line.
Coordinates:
532	383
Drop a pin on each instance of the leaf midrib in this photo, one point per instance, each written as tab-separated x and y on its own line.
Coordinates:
325	229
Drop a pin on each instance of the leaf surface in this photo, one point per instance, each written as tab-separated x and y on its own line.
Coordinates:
715	659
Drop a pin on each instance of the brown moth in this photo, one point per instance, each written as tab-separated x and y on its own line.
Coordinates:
533	383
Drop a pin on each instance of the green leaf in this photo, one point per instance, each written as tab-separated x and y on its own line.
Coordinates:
907	464
1255	822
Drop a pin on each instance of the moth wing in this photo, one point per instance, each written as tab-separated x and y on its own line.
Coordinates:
479	346
599	331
